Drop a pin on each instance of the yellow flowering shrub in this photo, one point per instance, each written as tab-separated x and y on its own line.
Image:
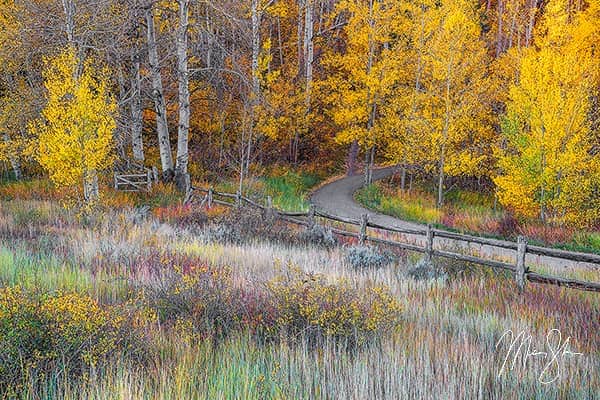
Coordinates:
201	302
307	305
41	335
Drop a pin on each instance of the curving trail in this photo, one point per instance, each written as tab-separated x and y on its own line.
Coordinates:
337	198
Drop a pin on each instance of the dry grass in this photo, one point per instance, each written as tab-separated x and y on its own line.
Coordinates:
444	346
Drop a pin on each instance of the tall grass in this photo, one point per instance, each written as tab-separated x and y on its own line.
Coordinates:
289	190
410	207
444	346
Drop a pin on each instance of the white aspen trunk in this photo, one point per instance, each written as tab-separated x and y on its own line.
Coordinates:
531	24
255	49
242	153
119	133
91	192
309	51
69	10
13	159
445	131
441	177
162	128
300	29
137	142
500	34
279	41
255	98
370	159
371	105
181	168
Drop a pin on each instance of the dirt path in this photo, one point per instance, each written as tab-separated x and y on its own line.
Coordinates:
337	198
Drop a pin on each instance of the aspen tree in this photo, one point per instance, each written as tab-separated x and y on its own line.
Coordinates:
75	131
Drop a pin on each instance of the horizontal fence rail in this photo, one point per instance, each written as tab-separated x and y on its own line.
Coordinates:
521	247
134	180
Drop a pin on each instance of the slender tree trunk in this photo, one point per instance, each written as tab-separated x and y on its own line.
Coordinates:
181	169
162	128
542	178
299	34
352	157
445	131
309	55
119	133
14	160
309	46
256	16
531	24
371	101
222	139
137	121
369	161
500	34
279	41
441	177
91	193
295	145
403	178
69	10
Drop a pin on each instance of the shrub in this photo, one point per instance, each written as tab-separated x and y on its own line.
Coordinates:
200	299
367	257
246	224
370	196
309	307
41	335
182	215
222	233
319	235
204	303
35	189
508	225
137	215
426	270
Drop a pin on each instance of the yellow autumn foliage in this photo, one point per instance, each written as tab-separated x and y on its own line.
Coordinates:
548	165
75	132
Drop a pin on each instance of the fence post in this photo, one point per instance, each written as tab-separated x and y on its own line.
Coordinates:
149	178
155	173
209	201
116	181
311	216
521	269
364	220
429	246
238	199
269	209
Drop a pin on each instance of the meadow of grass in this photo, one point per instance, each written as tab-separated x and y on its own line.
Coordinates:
287	188
473	213
184	305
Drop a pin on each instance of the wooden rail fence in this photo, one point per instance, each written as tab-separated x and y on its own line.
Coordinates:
131	176
521	247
